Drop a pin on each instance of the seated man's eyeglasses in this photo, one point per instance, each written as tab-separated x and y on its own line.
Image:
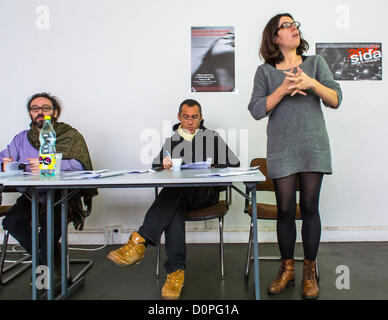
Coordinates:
194	117
44	108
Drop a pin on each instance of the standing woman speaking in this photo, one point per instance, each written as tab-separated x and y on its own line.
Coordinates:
288	89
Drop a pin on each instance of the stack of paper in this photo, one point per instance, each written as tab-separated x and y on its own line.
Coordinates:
76	175
196	165
230	172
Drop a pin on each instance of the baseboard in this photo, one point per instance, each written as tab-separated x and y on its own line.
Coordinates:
267	235
354	233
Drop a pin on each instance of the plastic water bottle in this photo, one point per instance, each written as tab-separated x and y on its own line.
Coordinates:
47	151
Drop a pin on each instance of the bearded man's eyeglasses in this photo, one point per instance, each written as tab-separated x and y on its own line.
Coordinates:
44	108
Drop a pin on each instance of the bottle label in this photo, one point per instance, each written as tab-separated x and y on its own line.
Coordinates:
47	161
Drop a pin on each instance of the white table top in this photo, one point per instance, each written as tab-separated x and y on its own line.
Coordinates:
165	177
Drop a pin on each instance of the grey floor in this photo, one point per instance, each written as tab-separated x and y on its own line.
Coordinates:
365	261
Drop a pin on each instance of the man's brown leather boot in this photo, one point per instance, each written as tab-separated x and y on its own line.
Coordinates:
132	252
286	277
310	288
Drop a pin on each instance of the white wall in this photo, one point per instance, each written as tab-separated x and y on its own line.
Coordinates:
121	68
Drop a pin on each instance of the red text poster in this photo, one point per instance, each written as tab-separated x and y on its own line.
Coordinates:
212	59
353	61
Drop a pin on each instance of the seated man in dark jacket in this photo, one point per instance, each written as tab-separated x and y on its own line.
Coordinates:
192	142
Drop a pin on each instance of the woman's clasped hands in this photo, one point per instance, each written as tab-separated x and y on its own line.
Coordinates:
299	82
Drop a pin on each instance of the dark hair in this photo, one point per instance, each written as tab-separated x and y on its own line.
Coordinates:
269	50
54	100
190	103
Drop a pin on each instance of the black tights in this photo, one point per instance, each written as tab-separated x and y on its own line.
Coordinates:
285	190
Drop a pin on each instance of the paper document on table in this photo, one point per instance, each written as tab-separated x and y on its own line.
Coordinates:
101	174
9	174
81	173
196	165
228	173
138	171
238	169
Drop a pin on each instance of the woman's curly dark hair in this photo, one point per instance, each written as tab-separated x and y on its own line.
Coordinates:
269	50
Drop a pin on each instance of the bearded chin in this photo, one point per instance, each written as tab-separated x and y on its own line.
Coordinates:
38	124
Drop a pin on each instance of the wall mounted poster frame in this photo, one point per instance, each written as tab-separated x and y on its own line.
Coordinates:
212	59
353	61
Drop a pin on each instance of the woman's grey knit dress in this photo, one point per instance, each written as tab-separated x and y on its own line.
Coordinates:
297	136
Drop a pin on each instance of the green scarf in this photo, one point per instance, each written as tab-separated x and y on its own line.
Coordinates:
72	145
69	142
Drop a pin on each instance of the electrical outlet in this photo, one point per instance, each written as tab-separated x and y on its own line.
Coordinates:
117	235
208	225
113	234
107	235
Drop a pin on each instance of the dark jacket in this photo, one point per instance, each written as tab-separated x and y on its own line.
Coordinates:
206	144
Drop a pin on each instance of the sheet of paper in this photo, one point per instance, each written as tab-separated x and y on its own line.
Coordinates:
242	168
101	174
196	165
78	173
227	173
138	171
11	174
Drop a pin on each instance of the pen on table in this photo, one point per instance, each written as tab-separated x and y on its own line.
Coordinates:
9	152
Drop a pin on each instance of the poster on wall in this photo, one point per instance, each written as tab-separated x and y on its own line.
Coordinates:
353	61
212	59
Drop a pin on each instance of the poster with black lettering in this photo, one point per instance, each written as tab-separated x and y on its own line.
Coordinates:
353	61
212	59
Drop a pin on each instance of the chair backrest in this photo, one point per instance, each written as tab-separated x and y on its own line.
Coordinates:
4	210
268	184
222	188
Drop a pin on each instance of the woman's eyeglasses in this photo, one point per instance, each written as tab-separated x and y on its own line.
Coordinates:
287	25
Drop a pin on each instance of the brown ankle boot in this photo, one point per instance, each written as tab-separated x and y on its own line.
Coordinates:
286	277
310	288
132	252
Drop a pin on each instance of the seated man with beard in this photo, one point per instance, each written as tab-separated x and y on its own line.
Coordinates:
25	148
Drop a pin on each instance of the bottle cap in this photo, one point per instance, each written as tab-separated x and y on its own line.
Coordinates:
47	117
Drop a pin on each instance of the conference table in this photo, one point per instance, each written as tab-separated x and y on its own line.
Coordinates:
68	186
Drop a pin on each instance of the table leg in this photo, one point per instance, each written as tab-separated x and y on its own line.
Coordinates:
35	239
64	270
66	290
50	244
255	245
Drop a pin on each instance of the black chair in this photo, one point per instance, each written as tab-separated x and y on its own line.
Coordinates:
3	269
87	262
4	251
217	211
266	212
